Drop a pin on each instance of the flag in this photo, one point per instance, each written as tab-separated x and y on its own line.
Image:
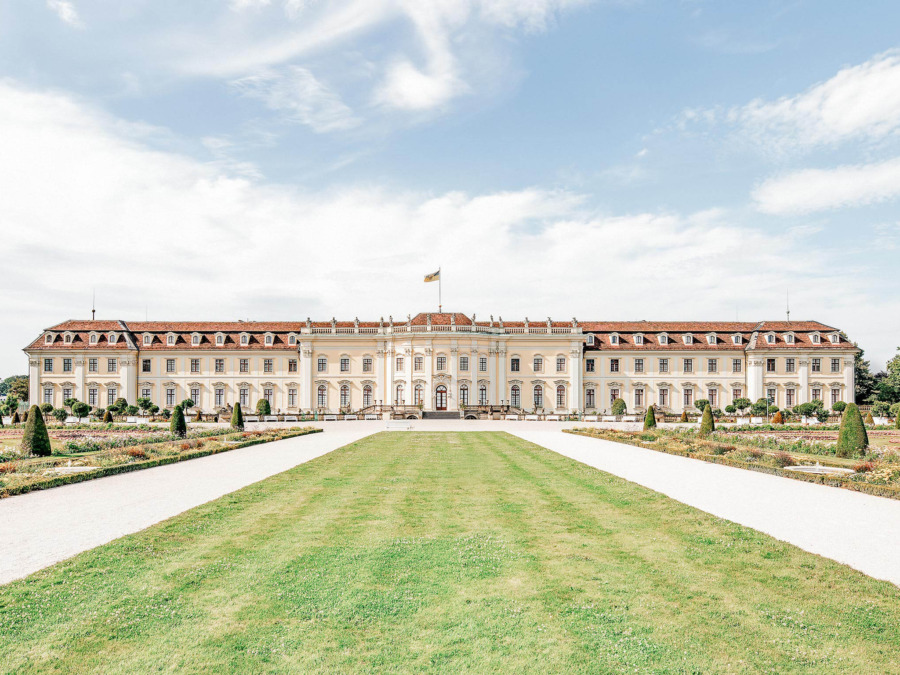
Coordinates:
433	277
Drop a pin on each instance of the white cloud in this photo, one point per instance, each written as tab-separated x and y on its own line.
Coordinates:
299	96
821	189
66	11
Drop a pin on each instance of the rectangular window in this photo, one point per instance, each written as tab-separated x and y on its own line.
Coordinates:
736	365
292	365
170	397
688	398
268	395
345	364
464	396
244	365
292	398
789	398
268	365
613	395
560	364
442	363
195	396
482	364
220	397
689	365
419	363
664	397
145	393
145	366
48	365
713	397
816	394
322	364
111	395
614	365
538	364
639	397
817	365
590	367
712	365
639	365
93	365
736	394
664	365
245	397
112	365
220	365
770	396
398	364
195	365
67	365
170	365
66	394
48	395
789	365
589	398
367	364
514	364
835	365
835	396
464	364
770	365
92	397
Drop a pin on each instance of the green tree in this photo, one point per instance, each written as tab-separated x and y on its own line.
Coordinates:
741	404
107	416
187	404
865	379
707	424
69	402
81	410
131	410
237	418
701	403
15	417
46	408
762	407
839	407
881	408
263	407
61	414
35	439
852	438
153	409
684	417
730	409
17	386
870	419
177	425
144	404
649	419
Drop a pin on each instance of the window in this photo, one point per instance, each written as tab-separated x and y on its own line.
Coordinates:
538	396
418	392
195	339
442	363
614	365
482	364
835	396
482	395
735	339
92	397
66	394
367	395
736	394
816	394
736	365
663	339
93	339
639	365
112	365
292	365
245	339
711	339
111	395
195	365
712	365
48	365
589	398
816	338
464	395
591	341
220	339
268	339
538	364
345	364
817	365
170	340
689	365
688	398
67	365
322	364
170	365
292	339
613	395
770	365
560	396
590	366
789	338
292	398
770	396
220	365
464	363
345	395
267	394
112	338
770	339
48	339
789	398
664	397
835	365
789	365
834	339
93	365
638	339
48	395
367	364
514	364
322	396
418	363
145	393
398	363
515	396
244	365
613	339
398	395
244	397
664	365
145	366
195	396
688	339
268	365
638	397
713	397
220	397
170	397
147	339
560	364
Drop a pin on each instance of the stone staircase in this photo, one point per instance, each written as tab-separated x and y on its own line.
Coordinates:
440	415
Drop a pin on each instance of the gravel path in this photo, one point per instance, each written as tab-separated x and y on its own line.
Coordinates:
856	529
41	528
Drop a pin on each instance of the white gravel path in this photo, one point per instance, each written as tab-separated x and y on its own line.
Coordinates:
856	529
41	528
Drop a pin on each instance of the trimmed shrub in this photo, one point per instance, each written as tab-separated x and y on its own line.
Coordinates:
81	410
782	459
199	416
839	407
263	407
131	410
36	440
46	408
649	419
870	419
15	417
684	417
707	424
178	426
107	417
852	437
778	418
237	418
730	409
60	415
701	403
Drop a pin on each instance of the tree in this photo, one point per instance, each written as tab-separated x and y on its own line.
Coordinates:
60	414
701	403
684	417
263	407
153	409
199	416
763	407
618	407
649	419
16	385
36	440
131	410
178	426
187	404
741	404
15	417
69	402
881	408
166	413
237	418
778	418
870	419
144	404
852	438
46	408
707	425
81	410
730	409
839	407
865	379
107	417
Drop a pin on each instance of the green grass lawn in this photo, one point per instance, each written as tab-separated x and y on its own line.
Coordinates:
450	552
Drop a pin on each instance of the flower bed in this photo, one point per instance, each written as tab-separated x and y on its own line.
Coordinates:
29	474
879	475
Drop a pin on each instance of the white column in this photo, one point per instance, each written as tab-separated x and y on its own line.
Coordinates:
80	393
129	379
379	375
502	365
849	381
306	376
410	389
389	354
493	354
428	396
755	378
34	381
803	394
453	387
575	379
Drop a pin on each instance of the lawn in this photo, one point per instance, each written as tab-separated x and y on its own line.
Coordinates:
449	552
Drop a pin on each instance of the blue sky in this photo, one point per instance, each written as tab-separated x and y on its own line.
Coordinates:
291	158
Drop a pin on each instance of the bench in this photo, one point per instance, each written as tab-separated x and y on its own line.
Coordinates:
532	418
251	418
330	418
630	418
608	418
270	418
591	418
351	417
291	418
373	417
553	418
511	417
398	425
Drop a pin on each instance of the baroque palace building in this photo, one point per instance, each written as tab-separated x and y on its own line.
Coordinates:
441	362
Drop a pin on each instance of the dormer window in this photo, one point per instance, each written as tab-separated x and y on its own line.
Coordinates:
663	339
688	339
736	339
789	338
48	339
147	338
220	339
590	340
711	339
614	339
835	339
245	339
170	339
67	338
292	339
816	338
268	339
93	338
112	338
770	339
638	339
195	339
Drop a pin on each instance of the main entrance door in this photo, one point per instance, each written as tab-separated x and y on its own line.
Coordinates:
440	398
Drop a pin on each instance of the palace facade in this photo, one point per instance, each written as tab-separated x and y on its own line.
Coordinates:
441	362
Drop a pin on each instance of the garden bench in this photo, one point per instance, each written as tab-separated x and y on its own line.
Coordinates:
351	417
372	417
512	417
532	418
251	418
330	418
591	418
398	425
553	418
270	418
291	418
131	420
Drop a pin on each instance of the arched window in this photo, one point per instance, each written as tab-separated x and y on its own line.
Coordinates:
345	395
417	394
482	395
560	396
515	396
322	398
398	395
367	396
464	395
538	396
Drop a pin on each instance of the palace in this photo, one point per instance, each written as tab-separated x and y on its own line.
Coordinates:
441	362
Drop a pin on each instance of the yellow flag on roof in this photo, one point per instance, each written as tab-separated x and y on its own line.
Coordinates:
435	276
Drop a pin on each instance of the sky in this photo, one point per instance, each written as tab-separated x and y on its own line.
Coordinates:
285	159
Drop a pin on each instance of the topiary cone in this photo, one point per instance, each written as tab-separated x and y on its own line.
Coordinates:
178	426
707	424
852	438
237	418
107	417
36	440
778	418
649	419
869	418
684	417
15	417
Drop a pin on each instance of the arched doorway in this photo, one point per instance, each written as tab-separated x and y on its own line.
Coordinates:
440	398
